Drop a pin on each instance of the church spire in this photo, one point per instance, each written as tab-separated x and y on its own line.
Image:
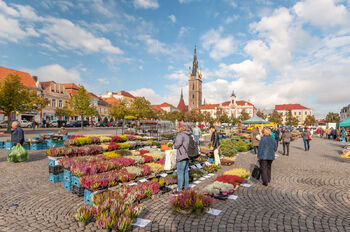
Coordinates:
195	62
182	94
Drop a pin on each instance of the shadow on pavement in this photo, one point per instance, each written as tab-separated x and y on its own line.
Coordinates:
338	159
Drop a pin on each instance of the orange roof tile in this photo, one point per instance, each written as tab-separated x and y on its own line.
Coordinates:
209	106
70	86
125	94
158	108
46	84
290	107
111	100
26	79
182	106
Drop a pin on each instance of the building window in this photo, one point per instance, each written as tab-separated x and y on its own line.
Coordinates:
60	103
299	113
52	90
305	112
193	96
48	102
193	87
295	113
53	103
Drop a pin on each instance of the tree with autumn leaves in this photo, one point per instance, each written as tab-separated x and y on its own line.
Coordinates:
14	96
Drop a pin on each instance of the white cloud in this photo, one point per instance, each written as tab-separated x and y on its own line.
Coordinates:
232	3
11	30
172	18
149	94
178	75
231	19
183	30
187	1
103	81
57	73
153	46
146	4
218	45
67	35
323	13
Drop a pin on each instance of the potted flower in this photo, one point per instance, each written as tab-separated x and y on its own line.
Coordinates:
83	215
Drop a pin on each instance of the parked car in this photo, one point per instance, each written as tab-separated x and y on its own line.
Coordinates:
53	123
26	124
117	123
102	124
3	124
77	124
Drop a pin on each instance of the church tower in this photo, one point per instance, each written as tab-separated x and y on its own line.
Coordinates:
195	84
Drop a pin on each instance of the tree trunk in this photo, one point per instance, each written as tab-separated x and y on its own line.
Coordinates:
8	123
82	122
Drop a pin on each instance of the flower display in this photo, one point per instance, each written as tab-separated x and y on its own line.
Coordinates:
156	168
111	154
137	159
211	168
234	180
113	146
227	162
83	214
170	179
155	156
191	201
135	170
238	172
218	187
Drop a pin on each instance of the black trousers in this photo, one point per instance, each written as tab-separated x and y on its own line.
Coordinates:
285	147
277	140
255	149
265	168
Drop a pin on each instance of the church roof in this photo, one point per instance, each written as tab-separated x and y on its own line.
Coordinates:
209	106
25	78
182	106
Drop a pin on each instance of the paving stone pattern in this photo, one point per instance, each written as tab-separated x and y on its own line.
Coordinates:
310	191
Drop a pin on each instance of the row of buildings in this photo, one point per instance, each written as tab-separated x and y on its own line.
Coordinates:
58	95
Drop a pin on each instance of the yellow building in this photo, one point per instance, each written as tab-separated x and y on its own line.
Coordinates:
298	111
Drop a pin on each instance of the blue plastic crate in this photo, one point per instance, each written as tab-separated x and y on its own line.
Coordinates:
87	196
38	146
52	162
67	175
65	137
76	181
67	185
27	147
8	146
55	178
2	144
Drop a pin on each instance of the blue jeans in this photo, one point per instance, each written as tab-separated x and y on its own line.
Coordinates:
306	144
196	138
182	174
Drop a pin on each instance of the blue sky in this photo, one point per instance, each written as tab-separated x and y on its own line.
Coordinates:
269	52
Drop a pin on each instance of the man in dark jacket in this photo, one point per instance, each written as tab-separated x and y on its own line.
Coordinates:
17	135
286	139
215	144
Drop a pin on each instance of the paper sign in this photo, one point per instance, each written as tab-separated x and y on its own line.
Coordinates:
163	175
211	174
198	166
143	180
214	212
141	222
197	182
202	178
233	197
246	185
192	185
133	183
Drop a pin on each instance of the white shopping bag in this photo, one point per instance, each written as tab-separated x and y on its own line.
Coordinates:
170	160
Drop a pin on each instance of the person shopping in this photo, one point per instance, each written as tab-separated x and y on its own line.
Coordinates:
286	139
17	135
255	139
306	138
182	142
215	144
197	134
266	155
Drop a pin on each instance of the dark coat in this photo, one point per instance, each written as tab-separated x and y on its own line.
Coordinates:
277	134
267	148
286	136
17	136
215	141
182	142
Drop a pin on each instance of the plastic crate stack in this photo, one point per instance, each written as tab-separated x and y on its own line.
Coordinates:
8	146
67	179
53	143
2	144
55	171
76	187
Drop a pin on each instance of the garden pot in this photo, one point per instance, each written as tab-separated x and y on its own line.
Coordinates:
81	224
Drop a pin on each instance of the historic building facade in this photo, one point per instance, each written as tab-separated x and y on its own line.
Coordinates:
57	97
345	112
298	111
195	84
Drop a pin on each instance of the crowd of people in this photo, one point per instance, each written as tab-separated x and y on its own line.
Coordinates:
342	134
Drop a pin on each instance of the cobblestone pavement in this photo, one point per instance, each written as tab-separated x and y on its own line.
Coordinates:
310	191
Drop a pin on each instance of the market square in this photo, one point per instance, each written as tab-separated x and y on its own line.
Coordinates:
183	115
